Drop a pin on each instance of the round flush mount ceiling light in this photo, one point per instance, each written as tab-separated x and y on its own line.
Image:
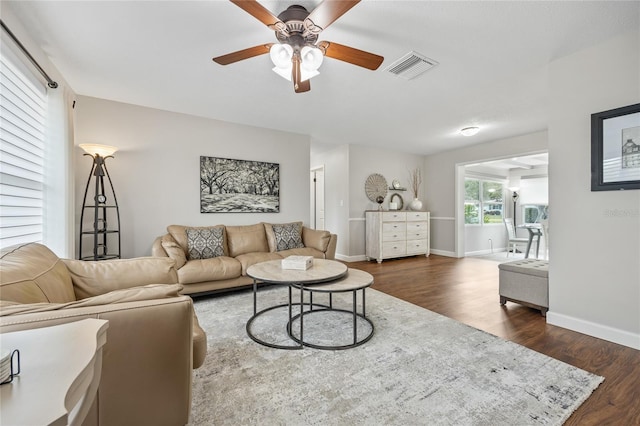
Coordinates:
470	131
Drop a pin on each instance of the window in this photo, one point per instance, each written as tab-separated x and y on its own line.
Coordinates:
483	201
534	213
23	120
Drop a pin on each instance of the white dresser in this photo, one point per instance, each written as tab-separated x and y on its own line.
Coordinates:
396	234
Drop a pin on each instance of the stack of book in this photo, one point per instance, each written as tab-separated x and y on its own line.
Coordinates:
301	263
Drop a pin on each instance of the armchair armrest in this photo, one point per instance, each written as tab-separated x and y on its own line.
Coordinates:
98	277
320	240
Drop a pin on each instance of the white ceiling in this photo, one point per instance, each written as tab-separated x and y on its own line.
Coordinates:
528	164
493	64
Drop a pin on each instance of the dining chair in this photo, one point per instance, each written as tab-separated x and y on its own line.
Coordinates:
545	235
513	240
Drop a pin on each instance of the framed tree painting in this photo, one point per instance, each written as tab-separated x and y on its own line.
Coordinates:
615	149
239	186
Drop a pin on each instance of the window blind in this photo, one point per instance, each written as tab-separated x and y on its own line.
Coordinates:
23	118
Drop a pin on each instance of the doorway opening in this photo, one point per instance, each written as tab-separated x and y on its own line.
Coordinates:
520	192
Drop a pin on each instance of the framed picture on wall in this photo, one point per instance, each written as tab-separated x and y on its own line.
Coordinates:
239	186
615	149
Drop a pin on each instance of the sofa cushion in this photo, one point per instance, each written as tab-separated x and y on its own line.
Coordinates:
174	250
179	233
133	294
246	239
205	243
31	273
305	251
91	278
249	259
284	236
213	269
316	239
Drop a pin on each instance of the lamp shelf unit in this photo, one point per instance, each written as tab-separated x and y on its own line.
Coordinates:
99	221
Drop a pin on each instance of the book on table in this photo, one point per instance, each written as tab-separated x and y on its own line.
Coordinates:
301	263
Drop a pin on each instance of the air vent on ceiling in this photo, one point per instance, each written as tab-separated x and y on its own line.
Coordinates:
411	65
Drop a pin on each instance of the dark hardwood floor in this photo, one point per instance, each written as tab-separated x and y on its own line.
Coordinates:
467	290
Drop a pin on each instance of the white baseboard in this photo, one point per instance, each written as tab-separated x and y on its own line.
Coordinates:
600	331
344	258
443	253
486	251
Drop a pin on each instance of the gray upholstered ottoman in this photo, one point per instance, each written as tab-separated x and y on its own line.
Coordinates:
525	282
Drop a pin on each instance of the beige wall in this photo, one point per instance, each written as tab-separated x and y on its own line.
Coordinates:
347	168
335	159
156	170
594	275
440	183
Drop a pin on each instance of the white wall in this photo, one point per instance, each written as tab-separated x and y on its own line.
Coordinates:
156	171
440	182
594	271
534	191
346	170
363	161
335	160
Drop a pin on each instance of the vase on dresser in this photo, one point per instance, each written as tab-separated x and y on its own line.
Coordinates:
415	204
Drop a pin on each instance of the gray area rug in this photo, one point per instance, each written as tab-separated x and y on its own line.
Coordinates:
420	368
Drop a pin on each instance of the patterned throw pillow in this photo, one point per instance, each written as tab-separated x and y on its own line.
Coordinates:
288	236
205	243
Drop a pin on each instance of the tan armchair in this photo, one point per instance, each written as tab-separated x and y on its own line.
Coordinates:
153	340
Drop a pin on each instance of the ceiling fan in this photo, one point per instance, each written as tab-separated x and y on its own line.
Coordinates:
298	54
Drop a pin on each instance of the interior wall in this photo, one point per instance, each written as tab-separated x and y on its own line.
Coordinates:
594	270
336	175
363	161
156	170
440	182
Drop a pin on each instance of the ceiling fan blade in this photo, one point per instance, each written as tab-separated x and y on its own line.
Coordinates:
230	58
326	13
255	9
350	55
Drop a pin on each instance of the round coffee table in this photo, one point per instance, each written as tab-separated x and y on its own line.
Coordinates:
352	282
326	276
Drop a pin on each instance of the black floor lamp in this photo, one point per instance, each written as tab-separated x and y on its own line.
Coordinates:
101	229
514	197
514	187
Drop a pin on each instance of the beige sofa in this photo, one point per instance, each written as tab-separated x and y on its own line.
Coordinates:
153	339
211	259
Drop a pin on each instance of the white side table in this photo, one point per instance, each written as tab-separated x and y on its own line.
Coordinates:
60	372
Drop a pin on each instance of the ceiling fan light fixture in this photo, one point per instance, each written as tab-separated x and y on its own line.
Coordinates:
470	131
281	55
284	72
311	58
306	75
